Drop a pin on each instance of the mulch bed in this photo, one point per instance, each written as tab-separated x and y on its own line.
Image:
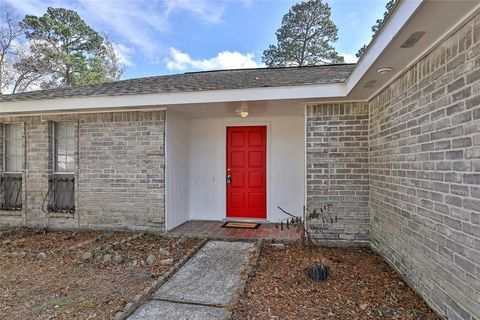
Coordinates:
361	286
44	276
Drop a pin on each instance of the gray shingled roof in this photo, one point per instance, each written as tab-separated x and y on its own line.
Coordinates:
200	81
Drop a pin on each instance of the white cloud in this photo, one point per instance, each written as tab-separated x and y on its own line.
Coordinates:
349	58
134	23
124	53
223	60
211	12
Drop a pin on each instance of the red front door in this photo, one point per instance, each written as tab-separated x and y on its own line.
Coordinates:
246	172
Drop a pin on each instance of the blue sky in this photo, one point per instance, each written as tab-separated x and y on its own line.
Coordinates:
163	37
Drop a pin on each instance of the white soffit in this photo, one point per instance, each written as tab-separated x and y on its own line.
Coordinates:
438	19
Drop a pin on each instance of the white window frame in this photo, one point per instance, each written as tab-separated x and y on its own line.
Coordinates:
54	151
19	140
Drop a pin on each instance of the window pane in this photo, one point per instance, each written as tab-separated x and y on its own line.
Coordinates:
11	165
70	145
64	146
70	164
18	131
61	145
59	129
61	165
10	147
19	163
10	131
13	147
70	133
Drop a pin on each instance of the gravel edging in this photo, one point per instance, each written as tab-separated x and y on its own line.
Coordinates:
141	298
244	278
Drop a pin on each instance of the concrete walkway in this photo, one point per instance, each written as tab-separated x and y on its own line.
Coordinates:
203	287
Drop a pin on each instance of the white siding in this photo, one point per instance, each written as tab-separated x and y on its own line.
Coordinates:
285	165
177	170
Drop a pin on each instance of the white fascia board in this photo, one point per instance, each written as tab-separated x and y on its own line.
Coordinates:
163	99
402	14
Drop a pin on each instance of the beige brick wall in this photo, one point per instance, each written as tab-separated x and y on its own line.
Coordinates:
119	181
337	168
425	174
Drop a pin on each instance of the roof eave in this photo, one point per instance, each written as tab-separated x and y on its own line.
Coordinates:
164	99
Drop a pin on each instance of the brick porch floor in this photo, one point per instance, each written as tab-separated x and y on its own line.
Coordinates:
214	230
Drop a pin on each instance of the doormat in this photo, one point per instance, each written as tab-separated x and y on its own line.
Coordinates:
241	225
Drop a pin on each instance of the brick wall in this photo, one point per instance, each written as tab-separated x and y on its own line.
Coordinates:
119	180
337	168
425	174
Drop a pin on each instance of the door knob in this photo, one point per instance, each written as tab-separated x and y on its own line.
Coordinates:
229	179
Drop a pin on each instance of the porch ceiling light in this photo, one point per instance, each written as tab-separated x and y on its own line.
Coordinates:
242	111
384	70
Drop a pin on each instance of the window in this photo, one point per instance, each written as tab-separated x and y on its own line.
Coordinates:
13	147
62	183
11	179
64	143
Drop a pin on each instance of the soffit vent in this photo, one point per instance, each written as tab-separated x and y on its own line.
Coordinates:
414	37
370	84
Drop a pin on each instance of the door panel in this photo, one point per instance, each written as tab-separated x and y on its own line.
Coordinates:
246	167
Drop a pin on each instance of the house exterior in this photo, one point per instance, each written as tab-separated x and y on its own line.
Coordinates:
392	143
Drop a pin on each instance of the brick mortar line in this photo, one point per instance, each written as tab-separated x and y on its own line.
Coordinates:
141	298
244	279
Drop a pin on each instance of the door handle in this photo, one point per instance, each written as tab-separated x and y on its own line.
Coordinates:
229	179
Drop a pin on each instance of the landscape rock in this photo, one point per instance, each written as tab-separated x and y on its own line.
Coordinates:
151	260
164	251
22	254
118	258
363	306
278	246
42	256
6	242
134	263
179	242
87	256
107	258
12	254
167	262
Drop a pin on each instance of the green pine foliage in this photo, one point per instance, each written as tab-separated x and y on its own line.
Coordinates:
306	37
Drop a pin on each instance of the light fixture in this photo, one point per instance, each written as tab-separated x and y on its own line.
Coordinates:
384	70
242	111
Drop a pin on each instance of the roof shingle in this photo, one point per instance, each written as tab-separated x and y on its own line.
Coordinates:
200	81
